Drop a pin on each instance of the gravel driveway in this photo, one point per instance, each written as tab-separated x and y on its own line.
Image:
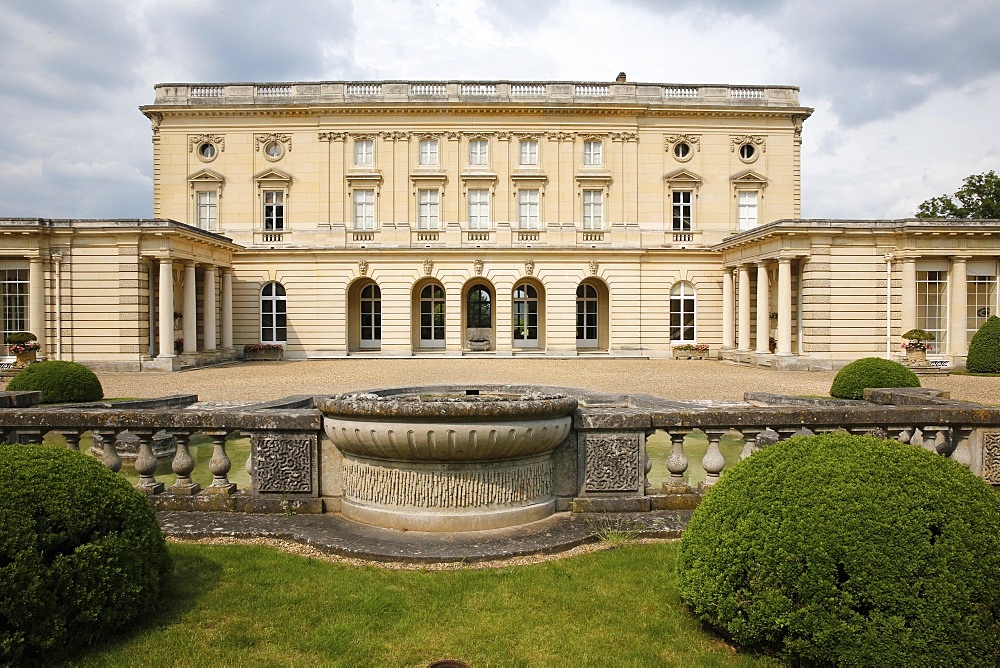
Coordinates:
670	379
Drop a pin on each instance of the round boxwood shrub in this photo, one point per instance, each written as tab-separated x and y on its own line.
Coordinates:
984	349
59	382
849	550
81	553
851	381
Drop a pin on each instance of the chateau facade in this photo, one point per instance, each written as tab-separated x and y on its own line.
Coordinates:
487	219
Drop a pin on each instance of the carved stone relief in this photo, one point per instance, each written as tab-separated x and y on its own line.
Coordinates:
991	457
612	463
283	463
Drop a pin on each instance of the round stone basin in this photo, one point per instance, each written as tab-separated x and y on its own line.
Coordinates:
447	459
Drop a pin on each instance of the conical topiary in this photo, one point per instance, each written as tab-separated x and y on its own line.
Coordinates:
984	349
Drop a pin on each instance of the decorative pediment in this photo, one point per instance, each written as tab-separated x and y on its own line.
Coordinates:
206	176
592	178
683	178
749	179
273	178
528	178
473	177
428	176
669	141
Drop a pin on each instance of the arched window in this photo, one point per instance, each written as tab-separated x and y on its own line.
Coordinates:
371	316
432	316
682	312
273	314
525	316
479	307
587	324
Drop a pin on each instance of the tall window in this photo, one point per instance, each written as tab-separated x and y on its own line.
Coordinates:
932	306
586	316
428	216
479	308
529	151
428	152
682	211
364	152
525	316
364	209
371	316
479	152
479	209
527	209
592	153
273	315
15	300
682	313
593	209
747	202
274	210
432	316
208	209
982	301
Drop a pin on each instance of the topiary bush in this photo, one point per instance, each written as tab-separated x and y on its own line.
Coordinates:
984	349
59	382
849	550
81	553
851	381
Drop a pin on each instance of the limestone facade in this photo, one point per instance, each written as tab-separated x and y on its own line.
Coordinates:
501	218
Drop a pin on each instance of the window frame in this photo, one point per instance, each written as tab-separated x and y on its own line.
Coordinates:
15	289
744	222
210	222
525	219
593	153
479	310
432	316
427	153
593	211
372	302
364	211
269	294
528	154
429	211
479	152
274	221
682	212
364	152
588	316
525	315
683	313
933	305
479	208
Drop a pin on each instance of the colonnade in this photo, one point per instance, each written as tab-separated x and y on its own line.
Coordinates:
736	296
217	323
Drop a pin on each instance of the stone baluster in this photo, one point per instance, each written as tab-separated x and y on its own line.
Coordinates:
182	465
105	440
802	431
944	442
677	463
765	438
145	465
749	441
72	437
929	438
905	435
962	453
219	465
647	466
713	461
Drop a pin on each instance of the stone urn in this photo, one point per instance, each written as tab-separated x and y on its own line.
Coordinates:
25	358
438	459
916	356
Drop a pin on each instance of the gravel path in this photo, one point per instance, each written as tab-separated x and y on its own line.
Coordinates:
669	379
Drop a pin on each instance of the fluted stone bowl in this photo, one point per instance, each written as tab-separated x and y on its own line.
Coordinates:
447	458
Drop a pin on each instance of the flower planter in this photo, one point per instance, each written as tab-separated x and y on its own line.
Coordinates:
916	356
264	355
26	358
690	354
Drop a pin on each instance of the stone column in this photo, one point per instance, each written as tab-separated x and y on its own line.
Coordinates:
908	292
36	301
165	301
784	306
728	323
190	309
957	324
763	310
744	308
227	308
208	299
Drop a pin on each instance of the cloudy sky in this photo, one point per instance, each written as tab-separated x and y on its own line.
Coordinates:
906	94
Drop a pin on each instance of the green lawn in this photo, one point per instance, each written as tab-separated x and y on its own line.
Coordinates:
257	606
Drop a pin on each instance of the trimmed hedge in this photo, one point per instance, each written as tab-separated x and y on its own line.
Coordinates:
59	382
849	550
984	349
81	553
851	381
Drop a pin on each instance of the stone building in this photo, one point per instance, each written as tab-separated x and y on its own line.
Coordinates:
402	218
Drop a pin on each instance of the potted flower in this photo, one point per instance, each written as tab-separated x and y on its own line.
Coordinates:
915	346
264	351
690	351
25	345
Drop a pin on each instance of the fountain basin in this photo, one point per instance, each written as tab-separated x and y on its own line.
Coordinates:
438	459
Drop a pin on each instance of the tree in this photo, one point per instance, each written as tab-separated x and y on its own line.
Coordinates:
979	197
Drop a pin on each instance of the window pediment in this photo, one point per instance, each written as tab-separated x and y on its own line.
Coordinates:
369	177
593	177
683	178
273	178
524	176
478	175
208	177
749	179
428	176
